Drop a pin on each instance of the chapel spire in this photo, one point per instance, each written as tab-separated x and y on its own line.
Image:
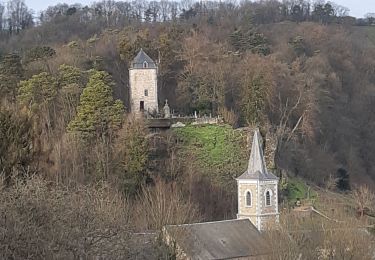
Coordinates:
256	160
257	168
257	189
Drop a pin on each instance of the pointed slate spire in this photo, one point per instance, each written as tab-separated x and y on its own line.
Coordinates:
257	168
256	160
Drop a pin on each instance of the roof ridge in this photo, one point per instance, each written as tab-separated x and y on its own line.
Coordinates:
140	59
209	222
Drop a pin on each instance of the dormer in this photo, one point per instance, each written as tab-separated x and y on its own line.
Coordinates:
143	61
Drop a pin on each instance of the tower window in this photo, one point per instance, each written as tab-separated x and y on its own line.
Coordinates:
141	106
145	64
248	199
146	92
268	198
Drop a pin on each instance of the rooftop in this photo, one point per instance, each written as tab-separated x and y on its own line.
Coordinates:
219	240
143	61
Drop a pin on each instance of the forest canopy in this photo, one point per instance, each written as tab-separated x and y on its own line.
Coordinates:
301	71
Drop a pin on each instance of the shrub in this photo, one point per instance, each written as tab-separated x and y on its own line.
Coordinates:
41	220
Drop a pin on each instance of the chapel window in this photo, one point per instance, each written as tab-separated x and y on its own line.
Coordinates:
248	198
268	198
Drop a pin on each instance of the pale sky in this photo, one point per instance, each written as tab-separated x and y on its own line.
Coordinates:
358	8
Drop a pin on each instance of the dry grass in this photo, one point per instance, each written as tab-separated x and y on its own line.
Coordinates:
41	220
311	236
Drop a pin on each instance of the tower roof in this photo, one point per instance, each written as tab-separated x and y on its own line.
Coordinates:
257	168
141	59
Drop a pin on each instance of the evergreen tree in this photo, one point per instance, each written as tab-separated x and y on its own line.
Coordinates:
249	41
39	92
68	75
97	112
253	100
70	80
11	72
15	144
40	53
133	153
38	95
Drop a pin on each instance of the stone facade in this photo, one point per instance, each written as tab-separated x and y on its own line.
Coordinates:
261	215
272	188
245	211
143	85
269	214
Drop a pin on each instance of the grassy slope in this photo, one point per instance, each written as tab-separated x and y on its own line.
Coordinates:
218	151
221	153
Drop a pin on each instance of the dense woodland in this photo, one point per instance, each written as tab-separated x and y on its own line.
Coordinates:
302	71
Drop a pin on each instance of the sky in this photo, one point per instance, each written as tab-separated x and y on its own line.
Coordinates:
358	8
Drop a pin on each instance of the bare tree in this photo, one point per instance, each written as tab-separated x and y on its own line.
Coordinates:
164	204
19	17
40	219
2	11
363	197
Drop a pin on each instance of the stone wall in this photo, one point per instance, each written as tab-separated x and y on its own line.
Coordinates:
141	80
243	209
268	209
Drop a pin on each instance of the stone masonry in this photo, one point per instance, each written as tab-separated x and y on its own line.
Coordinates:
143	85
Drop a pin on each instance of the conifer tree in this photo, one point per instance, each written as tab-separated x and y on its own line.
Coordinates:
253	100
250	40
133	154
97	112
71	84
39	92
38	95
15	144
40	53
11	72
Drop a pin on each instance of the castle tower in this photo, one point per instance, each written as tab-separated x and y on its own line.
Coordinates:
257	190
143	84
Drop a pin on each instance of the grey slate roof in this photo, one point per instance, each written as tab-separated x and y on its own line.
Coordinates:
219	240
139	60
257	168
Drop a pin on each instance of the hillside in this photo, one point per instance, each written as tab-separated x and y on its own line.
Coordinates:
303	73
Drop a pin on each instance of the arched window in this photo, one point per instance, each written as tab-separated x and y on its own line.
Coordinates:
145	64
268	198
248	199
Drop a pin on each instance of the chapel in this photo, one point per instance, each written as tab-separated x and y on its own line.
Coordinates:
257	189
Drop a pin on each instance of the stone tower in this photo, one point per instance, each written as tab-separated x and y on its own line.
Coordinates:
257	190
143	85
